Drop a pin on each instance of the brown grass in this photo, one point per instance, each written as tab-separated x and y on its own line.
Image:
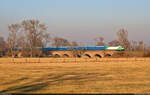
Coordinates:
76	77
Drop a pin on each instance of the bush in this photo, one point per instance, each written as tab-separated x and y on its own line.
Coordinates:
122	54
147	54
132	54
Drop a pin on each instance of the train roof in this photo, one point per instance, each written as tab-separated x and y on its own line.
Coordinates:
74	48
65	48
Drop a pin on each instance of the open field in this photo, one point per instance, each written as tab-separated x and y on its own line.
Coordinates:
105	76
74	60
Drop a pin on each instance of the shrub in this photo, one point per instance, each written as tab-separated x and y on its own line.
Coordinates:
147	54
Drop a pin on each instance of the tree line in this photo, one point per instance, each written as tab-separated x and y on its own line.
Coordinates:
31	34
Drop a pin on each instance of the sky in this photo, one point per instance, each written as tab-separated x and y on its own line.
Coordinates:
81	20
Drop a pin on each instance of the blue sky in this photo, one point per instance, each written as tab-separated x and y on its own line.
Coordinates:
81	20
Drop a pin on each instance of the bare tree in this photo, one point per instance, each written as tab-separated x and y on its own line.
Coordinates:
29	35
74	43
123	38
46	39
57	41
12	38
36	34
140	46
147	48
21	42
133	45
113	43
2	42
2	46
99	41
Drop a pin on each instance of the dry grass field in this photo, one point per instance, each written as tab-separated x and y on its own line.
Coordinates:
132	76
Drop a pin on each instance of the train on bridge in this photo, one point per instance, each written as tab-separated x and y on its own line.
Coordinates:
77	51
115	48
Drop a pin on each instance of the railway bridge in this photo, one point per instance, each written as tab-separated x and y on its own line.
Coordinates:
92	51
85	54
